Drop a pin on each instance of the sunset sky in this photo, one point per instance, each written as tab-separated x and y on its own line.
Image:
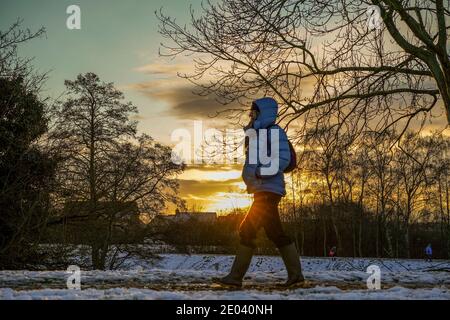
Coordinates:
119	41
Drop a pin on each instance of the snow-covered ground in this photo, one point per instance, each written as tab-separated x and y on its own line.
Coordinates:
177	276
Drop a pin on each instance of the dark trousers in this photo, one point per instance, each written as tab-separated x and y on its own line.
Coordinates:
263	214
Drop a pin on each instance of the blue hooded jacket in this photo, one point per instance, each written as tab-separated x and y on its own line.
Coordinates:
254	178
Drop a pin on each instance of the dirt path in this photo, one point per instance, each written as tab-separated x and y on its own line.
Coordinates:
40	284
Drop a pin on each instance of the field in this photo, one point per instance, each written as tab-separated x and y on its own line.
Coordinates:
177	276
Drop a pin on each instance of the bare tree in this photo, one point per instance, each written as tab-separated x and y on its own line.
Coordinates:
380	159
326	159
107	172
413	159
26	170
139	174
14	66
321	59
440	169
362	175
436	207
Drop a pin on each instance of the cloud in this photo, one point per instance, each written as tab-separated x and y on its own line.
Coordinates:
206	188
181	100
215	167
168	70
178	93
138	117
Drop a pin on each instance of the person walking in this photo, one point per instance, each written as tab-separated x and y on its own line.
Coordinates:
267	190
428	253
333	253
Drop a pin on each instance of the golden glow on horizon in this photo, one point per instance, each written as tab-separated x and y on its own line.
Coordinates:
223	201
220	175
233	194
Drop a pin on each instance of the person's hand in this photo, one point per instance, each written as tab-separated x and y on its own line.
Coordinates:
249	124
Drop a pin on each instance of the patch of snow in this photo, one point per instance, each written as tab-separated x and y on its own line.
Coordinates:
317	293
177	276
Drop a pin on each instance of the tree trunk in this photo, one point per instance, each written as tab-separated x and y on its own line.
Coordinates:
360	251
408	254
95	255
324	228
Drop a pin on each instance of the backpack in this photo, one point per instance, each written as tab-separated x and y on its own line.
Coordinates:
293	162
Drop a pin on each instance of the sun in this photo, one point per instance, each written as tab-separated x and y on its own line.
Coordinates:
225	201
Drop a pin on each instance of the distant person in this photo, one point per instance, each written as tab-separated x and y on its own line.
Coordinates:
428	253
267	190
333	253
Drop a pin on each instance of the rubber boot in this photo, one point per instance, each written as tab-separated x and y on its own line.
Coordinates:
293	266
239	269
